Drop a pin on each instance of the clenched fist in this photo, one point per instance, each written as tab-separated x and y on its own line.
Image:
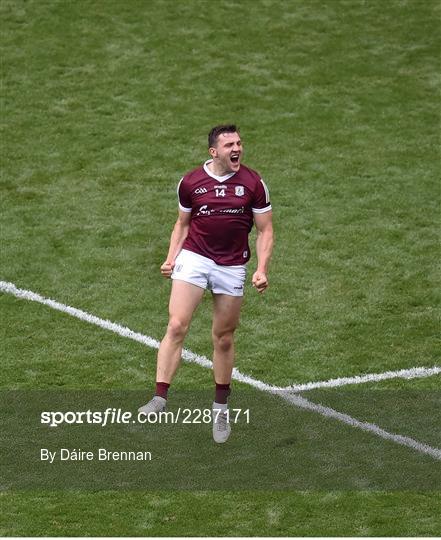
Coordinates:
167	269
260	281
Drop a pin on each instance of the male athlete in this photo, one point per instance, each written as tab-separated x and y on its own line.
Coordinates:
218	203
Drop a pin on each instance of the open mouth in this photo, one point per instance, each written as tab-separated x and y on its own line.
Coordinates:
234	158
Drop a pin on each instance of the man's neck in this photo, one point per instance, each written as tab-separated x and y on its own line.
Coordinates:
215	169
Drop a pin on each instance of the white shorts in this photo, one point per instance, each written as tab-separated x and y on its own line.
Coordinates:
203	272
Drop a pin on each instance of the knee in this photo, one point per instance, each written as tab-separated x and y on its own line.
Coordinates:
176	329
224	341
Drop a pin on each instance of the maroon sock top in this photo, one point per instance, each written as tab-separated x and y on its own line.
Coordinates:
162	389
222	393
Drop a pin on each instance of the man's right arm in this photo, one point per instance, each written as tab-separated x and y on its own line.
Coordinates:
178	236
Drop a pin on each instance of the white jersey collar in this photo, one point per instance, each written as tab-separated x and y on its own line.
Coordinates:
215	176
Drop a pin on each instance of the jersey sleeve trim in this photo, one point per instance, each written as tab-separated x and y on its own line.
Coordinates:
267	195
179	185
261	210
183	208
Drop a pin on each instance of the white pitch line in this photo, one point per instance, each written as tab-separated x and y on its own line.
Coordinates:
203	361
303	403
123	331
285	393
411	373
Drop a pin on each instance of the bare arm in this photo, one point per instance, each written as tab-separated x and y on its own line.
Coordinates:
264	248
178	236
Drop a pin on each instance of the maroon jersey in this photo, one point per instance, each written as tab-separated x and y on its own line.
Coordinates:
222	210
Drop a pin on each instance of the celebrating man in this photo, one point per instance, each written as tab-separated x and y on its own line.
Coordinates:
218	204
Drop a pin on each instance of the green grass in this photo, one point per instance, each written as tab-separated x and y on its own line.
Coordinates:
105	105
68	513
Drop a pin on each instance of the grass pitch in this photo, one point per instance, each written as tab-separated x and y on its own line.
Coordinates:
104	106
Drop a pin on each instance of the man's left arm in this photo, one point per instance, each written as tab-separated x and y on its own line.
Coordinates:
264	248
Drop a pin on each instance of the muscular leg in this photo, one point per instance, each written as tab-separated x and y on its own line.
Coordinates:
225	320
184	299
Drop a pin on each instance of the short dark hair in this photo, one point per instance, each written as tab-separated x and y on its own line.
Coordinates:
217	130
